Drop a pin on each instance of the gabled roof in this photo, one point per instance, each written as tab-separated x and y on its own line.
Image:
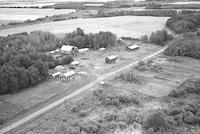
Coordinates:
67	48
132	47
56	74
112	57
67	74
75	62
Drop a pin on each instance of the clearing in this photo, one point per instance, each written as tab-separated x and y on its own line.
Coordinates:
92	66
131	26
152	82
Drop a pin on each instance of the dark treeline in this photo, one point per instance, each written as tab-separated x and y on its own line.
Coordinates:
24	61
184	23
158	12
93	41
188	46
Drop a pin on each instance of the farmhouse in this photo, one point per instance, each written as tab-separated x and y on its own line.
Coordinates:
67	76
67	49
132	47
111	59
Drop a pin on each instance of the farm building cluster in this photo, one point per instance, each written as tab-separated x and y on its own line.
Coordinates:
64	74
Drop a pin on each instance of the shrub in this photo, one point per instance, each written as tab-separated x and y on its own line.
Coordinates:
155	121
144	38
111	117
159	37
1	121
83	113
130	77
75	109
190	118
66	60
191	85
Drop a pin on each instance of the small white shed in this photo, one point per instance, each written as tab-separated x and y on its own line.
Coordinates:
111	59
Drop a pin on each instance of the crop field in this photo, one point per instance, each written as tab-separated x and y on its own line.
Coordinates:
120	106
22	14
131	26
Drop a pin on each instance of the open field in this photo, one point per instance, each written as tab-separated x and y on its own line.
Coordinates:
186	2
22	14
149	94
131	26
93	62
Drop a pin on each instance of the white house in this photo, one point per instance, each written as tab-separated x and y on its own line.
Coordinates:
69	49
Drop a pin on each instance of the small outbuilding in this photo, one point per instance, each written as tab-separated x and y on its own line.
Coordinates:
75	63
56	75
133	47
102	49
67	49
83	50
111	59
67	76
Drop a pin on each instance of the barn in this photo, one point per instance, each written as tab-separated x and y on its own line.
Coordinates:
111	59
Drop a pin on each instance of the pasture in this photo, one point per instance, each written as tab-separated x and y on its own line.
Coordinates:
122	26
22	14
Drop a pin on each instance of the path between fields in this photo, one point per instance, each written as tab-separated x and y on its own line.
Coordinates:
62	100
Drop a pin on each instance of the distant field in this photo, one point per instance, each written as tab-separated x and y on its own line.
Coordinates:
22	14
188	2
131	26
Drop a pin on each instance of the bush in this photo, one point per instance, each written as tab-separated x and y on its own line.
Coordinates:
130	77
83	113
159	37
155	121
144	38
66	60
191	85
1	121
75	109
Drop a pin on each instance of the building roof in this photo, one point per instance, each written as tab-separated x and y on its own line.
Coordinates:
102	49
67	48
75	62
83	50
67	74
132	47
56	74
112	57
59	68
